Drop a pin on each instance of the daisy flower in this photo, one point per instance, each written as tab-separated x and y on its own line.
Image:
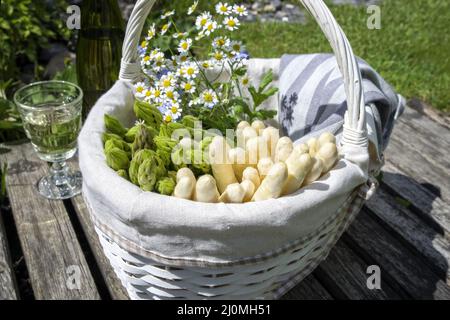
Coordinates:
191	71
218	56
171	95
140	89
240	10
221	42
179	35
168	14
151	32
209	98
167	81
165	27
146	60
223	8
183	57
188	86
167	117
184	45
231	23
202	20
175	110
192	8
156	94
207	64
245	81
236	47
147	95
210	27
144	44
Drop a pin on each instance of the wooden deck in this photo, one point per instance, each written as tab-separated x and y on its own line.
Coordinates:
404	229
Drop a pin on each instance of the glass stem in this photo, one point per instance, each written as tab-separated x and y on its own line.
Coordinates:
58	172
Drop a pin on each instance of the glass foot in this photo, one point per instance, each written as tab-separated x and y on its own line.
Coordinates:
61	183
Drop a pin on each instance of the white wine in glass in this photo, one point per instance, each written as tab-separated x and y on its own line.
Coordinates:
51	114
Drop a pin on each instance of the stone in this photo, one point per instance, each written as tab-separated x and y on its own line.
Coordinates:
269	8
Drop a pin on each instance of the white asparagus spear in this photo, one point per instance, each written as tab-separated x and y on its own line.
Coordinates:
239	160
185	172
221	166
315	171
259	126
326	137
313	145
272	135
248	133
249	189
234	193
328	153
256	149
184	188
302	148
284	149
298	167
252	175
242	125
264	166
206	189
272	186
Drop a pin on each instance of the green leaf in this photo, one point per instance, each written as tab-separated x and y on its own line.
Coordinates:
266	80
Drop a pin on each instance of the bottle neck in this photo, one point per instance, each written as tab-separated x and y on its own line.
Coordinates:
102	14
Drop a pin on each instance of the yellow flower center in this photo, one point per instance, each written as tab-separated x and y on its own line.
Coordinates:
240	9
139	89
166	83
157	93
190	71
205	65
146	58
184	45
210	27
187	86
169	94
183	58
174	109
231	23
218	56
165	27
223	9
220	42
245	81
144	44
208	97
147	94
168	118
236	47
203	21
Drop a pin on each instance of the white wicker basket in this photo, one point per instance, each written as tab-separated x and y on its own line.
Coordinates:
264	276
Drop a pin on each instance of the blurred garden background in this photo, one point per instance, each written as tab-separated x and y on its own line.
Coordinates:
411	50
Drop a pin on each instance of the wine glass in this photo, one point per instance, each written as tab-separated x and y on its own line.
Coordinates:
51	115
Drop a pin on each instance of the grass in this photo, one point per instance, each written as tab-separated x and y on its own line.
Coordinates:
411	50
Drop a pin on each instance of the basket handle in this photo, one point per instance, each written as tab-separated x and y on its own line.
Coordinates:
354	120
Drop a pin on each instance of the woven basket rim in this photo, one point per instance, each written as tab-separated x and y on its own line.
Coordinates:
356	198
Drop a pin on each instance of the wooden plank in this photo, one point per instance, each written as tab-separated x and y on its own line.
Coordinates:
409	158
428	205
8	285
51	250
309	289
115	288
344	274
397	262
432	145
432	244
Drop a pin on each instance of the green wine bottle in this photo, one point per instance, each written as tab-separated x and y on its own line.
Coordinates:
99	48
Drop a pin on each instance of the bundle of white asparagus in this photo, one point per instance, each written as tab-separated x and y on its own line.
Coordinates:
262	166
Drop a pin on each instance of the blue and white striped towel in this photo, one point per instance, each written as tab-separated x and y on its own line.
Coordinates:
313	100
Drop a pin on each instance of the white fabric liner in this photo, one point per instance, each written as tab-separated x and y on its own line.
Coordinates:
183	229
